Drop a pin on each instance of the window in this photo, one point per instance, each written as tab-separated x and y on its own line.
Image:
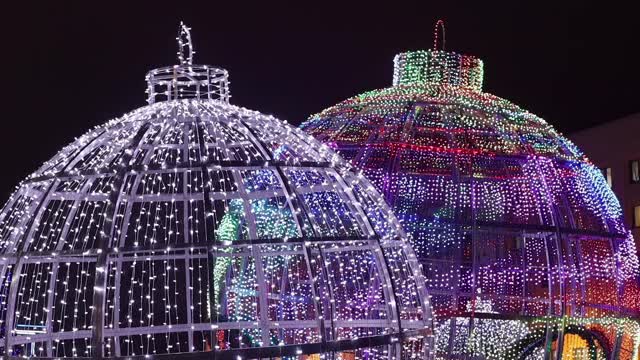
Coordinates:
636	216
635	171
606	172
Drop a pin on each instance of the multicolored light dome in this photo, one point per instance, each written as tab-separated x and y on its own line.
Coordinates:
194	226
520	238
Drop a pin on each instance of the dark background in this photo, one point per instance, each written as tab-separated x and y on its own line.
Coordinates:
69	67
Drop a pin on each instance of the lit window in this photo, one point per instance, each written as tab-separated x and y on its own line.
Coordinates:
606	172
635	171
636	216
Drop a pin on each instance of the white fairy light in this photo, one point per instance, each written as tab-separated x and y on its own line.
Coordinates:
195	225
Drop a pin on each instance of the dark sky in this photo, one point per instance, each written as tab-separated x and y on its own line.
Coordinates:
70	67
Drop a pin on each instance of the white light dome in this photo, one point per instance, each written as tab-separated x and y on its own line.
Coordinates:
192	225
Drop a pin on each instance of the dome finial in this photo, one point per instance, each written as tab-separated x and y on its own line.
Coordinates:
185	45
437	66
439	26
187	80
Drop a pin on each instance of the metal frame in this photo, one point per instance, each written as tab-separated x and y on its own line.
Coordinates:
544	186
113	152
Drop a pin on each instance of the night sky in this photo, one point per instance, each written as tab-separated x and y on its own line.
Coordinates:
68	68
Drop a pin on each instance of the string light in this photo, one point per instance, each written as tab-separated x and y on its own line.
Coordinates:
195	225
507	216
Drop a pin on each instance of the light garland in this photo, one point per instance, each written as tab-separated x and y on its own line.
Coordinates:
194	225
500	206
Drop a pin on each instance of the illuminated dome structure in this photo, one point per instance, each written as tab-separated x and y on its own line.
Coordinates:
521	240
194	226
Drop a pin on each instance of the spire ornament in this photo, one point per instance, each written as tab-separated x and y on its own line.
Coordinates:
187	80
437	30
185	45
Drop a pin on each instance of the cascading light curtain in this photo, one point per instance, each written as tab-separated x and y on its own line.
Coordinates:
195	226
520	237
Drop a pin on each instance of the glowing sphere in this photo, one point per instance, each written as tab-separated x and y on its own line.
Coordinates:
192	225
509	220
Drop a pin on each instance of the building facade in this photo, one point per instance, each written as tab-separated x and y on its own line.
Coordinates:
615	148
